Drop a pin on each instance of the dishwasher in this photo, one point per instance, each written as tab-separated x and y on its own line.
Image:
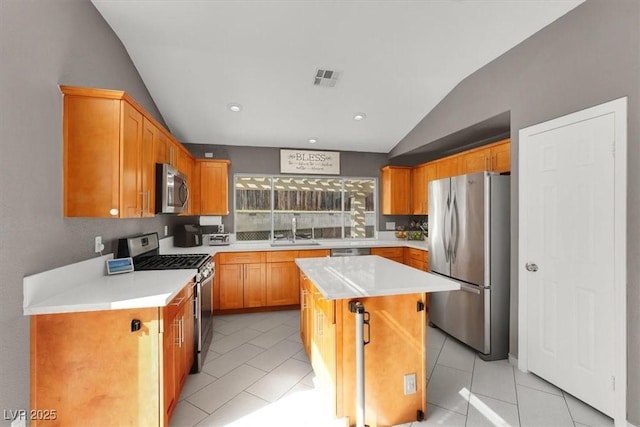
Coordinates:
350	251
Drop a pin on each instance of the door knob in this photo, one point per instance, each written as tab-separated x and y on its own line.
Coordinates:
530	266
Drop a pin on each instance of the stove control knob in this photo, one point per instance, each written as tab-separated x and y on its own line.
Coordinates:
199	277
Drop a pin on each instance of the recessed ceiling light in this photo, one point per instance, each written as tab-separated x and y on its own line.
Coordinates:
359	116
234	107
313	140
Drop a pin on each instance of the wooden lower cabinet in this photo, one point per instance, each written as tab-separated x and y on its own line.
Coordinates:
305	313
254	286
250	280
282	284
242	286
394	254
231	289
241	280
397	347
178	347
93	369
416	258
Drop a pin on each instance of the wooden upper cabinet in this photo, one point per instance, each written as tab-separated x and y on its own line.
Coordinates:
501	156
447	167
173	151
420	177
102	135
162	147
495	157
396	190
477	160
186	166
150	139
214	187
111	145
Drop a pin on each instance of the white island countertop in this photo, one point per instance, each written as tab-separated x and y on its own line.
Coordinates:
369	276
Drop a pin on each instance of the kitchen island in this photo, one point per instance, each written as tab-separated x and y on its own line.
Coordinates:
393	296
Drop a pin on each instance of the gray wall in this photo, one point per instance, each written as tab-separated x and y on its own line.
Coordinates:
44	44
267	161
588	57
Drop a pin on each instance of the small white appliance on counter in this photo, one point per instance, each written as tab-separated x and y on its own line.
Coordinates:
214	235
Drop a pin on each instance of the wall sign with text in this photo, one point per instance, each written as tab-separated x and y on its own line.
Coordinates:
310	162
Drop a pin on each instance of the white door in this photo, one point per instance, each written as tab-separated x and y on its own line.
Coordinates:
567	256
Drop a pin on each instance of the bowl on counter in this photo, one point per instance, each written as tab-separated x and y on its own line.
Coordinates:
415	235
401	235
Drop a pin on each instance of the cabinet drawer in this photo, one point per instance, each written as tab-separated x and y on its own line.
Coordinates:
328	307
178	301
242	257
415	254
387	252
313	253
281	256
420	265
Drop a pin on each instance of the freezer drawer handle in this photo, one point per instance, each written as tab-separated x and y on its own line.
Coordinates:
469	289
530	266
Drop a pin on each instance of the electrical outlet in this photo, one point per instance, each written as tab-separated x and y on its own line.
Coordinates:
409	383
390	225
166	230
97	244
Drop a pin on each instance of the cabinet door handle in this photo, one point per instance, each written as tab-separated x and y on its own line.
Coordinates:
318	324
181	331
176	324
178	301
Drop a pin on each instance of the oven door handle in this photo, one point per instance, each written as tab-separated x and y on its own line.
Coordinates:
197	290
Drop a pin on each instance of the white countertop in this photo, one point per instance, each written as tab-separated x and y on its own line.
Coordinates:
369	276
85	287
168	247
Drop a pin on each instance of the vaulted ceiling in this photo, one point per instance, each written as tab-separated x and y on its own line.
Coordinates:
393	61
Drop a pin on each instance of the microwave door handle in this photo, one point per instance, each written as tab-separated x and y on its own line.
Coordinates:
183	187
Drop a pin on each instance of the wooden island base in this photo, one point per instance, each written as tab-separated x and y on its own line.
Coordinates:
397	347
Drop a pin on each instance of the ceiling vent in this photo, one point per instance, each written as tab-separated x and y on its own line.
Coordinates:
326	78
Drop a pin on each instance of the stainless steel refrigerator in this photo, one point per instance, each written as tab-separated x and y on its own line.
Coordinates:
469	241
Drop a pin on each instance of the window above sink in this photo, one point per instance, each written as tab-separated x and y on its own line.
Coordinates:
326	208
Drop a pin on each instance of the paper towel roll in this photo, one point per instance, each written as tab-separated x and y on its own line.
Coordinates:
210	220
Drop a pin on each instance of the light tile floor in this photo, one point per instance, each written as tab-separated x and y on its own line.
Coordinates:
257	374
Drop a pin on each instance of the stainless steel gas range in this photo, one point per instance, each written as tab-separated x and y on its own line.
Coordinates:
144	249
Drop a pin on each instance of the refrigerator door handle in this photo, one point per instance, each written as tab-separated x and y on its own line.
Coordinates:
446	230
454	230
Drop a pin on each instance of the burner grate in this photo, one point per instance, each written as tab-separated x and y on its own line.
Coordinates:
169	262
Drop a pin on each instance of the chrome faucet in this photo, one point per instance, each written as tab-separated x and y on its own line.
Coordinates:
293	229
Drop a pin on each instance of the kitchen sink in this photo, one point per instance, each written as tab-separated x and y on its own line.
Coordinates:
281	243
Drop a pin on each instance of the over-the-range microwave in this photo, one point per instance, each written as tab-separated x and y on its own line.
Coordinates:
172	191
